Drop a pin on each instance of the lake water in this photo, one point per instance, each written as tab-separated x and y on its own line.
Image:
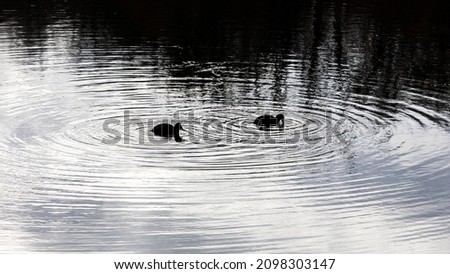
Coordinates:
362	164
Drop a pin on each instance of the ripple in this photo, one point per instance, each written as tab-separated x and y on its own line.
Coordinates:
79	162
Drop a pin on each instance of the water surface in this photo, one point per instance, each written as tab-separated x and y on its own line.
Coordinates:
362	165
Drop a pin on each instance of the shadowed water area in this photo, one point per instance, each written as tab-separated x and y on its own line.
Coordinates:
362	163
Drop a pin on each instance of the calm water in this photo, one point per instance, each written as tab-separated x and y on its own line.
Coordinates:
362	165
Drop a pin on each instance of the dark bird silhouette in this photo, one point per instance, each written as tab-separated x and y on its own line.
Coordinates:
167	130
266	121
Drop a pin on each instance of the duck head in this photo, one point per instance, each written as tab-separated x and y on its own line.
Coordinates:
280	120
178	127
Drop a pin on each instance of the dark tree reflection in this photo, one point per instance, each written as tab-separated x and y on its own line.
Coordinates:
368	47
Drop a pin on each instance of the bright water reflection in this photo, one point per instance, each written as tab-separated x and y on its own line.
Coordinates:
380	184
